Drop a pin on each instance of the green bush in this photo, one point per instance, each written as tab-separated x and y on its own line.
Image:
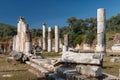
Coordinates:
89	38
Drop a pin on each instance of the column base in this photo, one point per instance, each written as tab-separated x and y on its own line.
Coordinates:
65	48
100	48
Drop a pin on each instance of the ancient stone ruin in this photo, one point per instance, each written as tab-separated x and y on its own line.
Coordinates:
22	42
71	65
63	66
56	39
101	38
44	36
49	40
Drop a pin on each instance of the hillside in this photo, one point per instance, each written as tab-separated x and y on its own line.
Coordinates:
7	30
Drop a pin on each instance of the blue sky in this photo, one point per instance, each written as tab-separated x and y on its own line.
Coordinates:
53	12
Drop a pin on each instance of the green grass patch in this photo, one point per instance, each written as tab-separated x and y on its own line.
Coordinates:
110	67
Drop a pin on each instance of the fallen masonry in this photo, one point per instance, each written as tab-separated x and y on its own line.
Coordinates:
94	71
71	65
83	58
89	63
67	70
115	59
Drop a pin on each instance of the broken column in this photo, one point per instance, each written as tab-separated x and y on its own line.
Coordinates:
101	41
40	42
56	39
17	44
14	43
82	58
49	40
44	36
28	43
21	31
65	46
22	41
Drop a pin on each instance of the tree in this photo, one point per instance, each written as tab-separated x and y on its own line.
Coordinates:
89	38
79	39
7	30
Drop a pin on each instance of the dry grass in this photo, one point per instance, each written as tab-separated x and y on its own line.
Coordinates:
110	67
18	72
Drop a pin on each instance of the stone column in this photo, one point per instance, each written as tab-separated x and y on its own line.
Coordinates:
65	46
28	43
44	36
17	44
21	30
101	38
56	39
49	40
40	42
14	43
60	43
66	40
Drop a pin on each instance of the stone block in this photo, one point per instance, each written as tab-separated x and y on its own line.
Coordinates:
88	70
115	59
83	58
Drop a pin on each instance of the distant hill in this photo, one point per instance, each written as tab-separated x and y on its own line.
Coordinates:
7	30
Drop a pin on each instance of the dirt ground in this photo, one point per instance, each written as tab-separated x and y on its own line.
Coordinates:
10	71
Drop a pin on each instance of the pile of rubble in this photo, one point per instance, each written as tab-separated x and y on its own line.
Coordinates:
71	66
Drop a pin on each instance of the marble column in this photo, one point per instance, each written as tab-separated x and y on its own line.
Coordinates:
28	43
20	38
17	44
66	40
44	36
101	38
49	40
56	39
40	42
14	43
65	46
